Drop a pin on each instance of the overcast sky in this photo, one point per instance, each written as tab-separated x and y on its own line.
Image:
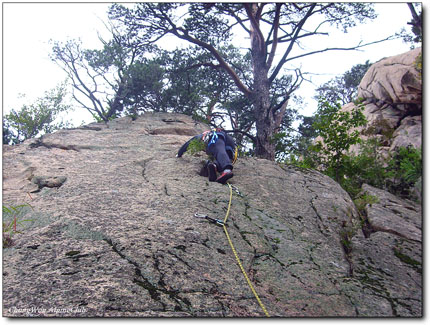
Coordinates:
28	27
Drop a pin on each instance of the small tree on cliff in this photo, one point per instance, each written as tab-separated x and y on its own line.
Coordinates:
100	78
275	31
336	129
38	118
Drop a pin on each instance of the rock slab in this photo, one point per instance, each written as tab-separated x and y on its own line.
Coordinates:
112	233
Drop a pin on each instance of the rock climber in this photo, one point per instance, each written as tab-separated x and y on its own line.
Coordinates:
220	146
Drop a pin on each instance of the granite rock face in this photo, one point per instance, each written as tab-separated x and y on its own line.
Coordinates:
391	92
111	232
391	248
394	80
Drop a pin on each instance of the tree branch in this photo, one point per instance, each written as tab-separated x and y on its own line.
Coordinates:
275	35
183	34
340	48
296	34
253	138
239	20
202	64
242	87
255	25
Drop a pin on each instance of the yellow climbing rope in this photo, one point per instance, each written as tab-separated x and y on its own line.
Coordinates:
237	257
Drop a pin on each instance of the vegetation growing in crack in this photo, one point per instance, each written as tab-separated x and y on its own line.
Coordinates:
12	220
363	200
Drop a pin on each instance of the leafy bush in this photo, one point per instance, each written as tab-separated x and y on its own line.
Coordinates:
365	167
397	173
363	200
404	168
309	160
336	128
195	147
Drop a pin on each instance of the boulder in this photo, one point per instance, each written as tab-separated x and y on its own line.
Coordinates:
391	94
393	80
393	215
109	231
408	133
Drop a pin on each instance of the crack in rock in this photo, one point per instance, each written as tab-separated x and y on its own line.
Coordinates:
154	290
40	143
144	164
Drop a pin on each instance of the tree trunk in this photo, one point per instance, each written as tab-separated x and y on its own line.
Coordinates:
265	124
116	106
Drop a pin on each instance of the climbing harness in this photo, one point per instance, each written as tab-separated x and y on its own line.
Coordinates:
224	225
215	221
210	137
214	138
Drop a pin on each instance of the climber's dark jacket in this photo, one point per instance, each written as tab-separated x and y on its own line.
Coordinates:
222	148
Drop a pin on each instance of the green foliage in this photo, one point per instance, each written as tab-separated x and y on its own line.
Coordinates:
143	87
195	147
36	119
283	141
306	162
341	90
127	78
301	151
363	200
12	218
336	129
105	81
194	87
365	167
404	168
397	173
